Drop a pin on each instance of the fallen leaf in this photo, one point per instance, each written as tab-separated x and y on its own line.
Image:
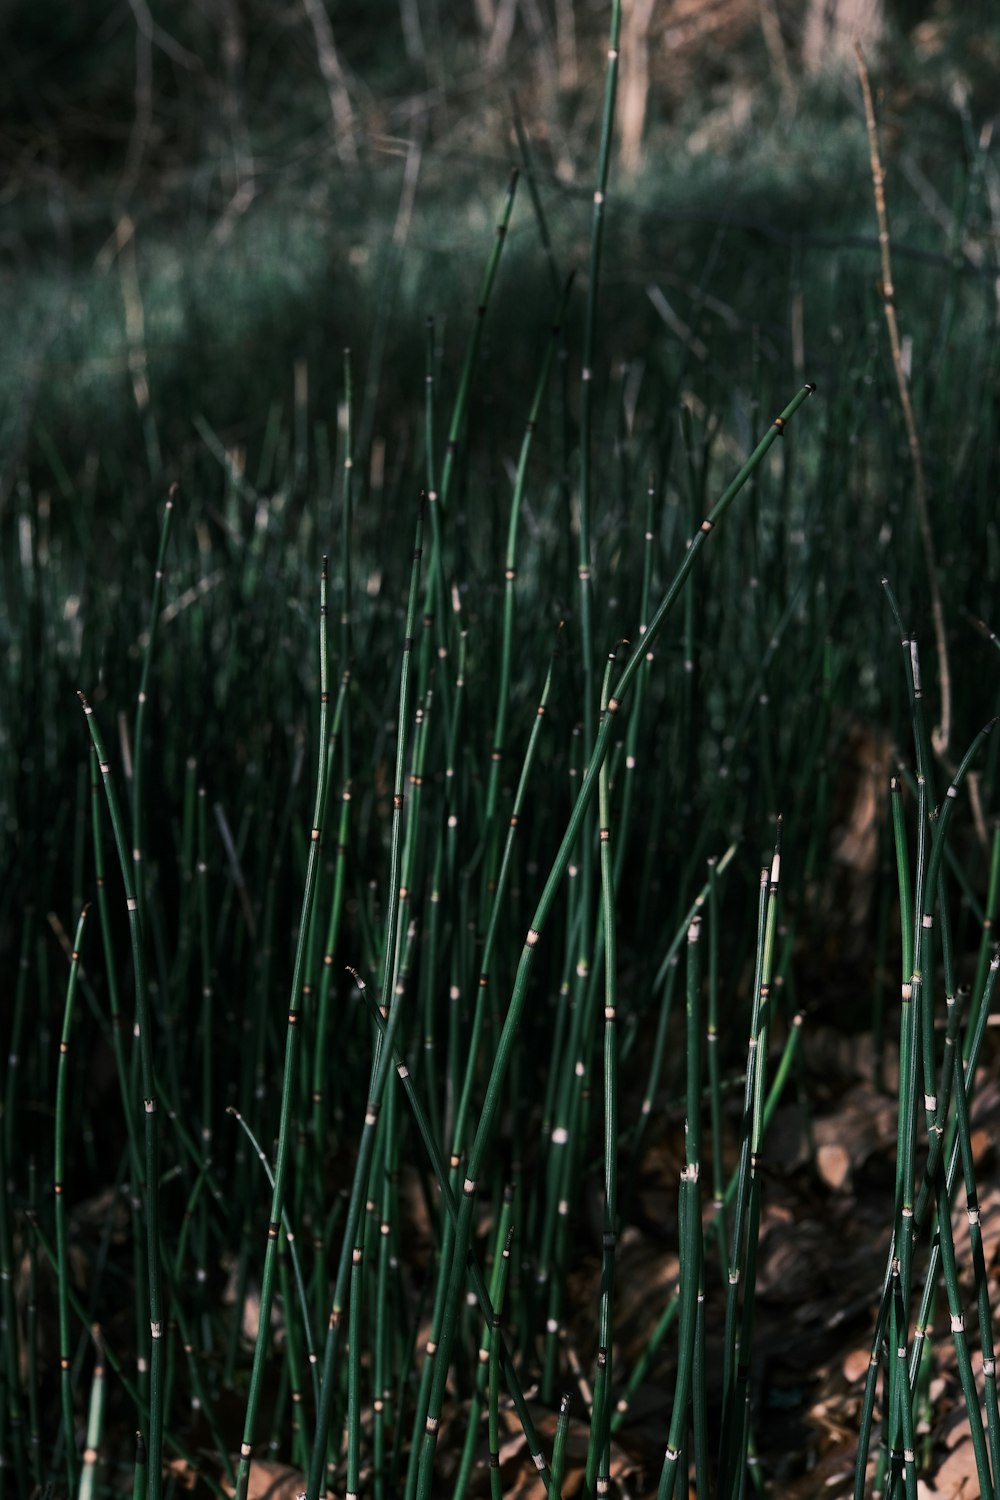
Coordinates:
271	1481
956	1476
855	1365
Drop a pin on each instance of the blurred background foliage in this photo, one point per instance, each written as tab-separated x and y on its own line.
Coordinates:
198	198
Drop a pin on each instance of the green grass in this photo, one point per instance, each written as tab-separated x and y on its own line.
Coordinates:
386	951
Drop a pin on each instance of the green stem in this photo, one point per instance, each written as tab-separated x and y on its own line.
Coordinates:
518	998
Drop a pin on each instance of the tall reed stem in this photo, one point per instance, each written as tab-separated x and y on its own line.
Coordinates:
285	1126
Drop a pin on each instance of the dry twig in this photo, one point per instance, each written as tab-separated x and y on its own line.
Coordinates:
942	732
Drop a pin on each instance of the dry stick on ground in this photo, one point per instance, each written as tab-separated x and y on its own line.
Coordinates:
942	733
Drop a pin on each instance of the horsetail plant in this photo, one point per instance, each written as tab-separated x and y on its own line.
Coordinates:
95	1420
600	1430
383	1055
489	1340
483	1295
151	1163
139	738
689	1220
506	1040
291	1057
921	896
59	1187
493	1399
559	1448
521	875
746	1217
114	1363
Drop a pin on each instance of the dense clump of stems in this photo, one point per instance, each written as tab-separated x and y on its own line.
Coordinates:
454	1157
284	1145
558	868
151	1170
383	1055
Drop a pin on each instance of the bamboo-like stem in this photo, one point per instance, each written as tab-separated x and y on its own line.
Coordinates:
689	1219
742	1193
285	1131
95	1420
504	1225
499	907
346	603
559	1448
742	1267
712	1057
290	1238
354	1376
493	1399
151	1169
600	1428
140	1476
139	741
59	1188
438	499
510	572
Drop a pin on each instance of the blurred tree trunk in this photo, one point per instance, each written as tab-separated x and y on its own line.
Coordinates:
831	28
633	80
